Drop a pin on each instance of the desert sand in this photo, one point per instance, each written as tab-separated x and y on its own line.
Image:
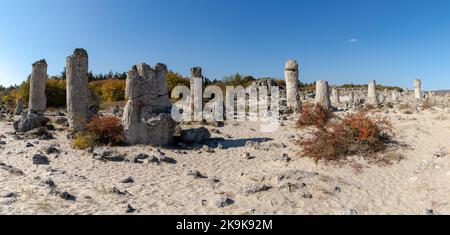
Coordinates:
240	158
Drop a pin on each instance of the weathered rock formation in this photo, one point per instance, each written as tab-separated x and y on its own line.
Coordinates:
37	103
323	94
372	98
291	74
417	89
336	100
196	82
19	107
78	93
147	114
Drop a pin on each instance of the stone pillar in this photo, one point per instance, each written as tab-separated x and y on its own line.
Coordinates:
394	96
38	101
291	74
196	82
351	99
417	89
372	98
19	106
323	94
147	115
78	93
335	96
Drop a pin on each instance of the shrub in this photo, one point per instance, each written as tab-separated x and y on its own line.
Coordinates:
84	140
426	104
108	129
100	130
354	134
55	90
314	115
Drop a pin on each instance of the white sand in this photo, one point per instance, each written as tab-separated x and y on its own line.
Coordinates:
412	186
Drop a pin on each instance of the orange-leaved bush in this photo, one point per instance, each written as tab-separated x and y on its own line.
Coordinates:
314	115
354	134
109	129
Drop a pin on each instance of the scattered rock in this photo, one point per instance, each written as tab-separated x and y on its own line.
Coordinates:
112	156
439	153
52	149
128	180
254	188
140	157
67	196
283	158
247	156
115	190
224	202
40	159
196	175
197	135
350	212
130	209
2	142
10	195
429	212
48	183
29	145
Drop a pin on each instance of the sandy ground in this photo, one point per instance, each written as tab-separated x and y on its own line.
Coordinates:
414	185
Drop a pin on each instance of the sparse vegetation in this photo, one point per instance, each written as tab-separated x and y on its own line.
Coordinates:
354	134
101	130
314	115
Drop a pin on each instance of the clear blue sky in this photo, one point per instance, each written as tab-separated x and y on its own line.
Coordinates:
342	41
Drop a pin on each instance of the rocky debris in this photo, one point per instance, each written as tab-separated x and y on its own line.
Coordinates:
2	142
224	202
62	120
247	156
207	149
283	158
440	152
40	133
12	170
147	115
254	188
305	194
128	180
252	144
140	158
337	190
115	190
429	212
110	156
52	150
11	195
196	174
29	145
40	159
350	212
66	196
48	183
197	135
130	209
9	202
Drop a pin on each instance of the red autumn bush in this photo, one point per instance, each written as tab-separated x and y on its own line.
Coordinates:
354	134
108	129
314	115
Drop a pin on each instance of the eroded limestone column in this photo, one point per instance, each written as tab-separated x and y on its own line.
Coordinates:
196	82
19	106
351	99
323	94
291	74
372	98
38	101
147	115
417	89
336	100
78	93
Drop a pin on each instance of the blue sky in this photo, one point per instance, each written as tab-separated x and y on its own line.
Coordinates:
342	41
